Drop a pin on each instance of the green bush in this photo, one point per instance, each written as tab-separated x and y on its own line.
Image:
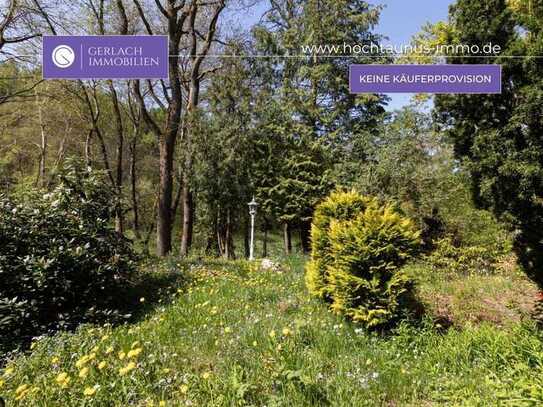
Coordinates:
338	206
60	260
452	258
359	256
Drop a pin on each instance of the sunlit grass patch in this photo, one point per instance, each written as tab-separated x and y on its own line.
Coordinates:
238	335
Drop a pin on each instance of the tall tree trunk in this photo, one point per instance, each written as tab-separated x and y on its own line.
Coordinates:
197	55
94	112
43	148
176	15
168	137
187	198
188	216
60	154
227	237
212	244
119	221
265	240
287	241
305	236
218	228
88	141
133	183
178	195
150	229
164	213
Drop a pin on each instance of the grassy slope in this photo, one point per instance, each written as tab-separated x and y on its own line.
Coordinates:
242	336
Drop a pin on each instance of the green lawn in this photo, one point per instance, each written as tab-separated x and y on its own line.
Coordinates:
230	334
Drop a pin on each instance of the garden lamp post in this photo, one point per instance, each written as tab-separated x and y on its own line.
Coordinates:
252	212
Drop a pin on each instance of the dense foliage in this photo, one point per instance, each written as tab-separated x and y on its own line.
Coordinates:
499	136
449	256
357	257
338	206
60	260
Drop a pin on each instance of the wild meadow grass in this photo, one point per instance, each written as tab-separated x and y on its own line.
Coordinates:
232	334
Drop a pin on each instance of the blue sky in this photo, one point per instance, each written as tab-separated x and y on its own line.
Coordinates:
400	19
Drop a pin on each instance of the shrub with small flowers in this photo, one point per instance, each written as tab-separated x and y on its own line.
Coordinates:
60	259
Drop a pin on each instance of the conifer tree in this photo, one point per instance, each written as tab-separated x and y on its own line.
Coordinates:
319	113
500	137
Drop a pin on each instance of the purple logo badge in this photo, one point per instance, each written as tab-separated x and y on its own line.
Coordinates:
105	57
425	79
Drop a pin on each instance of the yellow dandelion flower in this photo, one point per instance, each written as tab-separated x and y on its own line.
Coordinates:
206	375
102	365
62	377
63	380
122	355
21	388
8	371
286	331
184	389
84	360
129	367
84	372
255	343
134	353
90	391
109	350
55	360
20	394
104	338
272	334
227	330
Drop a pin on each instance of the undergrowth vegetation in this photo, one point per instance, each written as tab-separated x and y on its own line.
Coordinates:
241	335
61	262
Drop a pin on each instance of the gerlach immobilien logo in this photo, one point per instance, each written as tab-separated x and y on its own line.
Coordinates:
105	57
